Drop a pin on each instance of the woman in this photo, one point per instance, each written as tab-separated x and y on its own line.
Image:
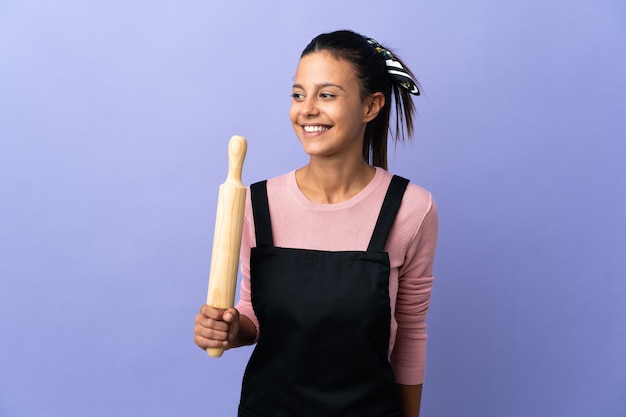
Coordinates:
336	256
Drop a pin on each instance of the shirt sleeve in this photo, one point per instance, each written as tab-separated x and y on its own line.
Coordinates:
248	240
415	283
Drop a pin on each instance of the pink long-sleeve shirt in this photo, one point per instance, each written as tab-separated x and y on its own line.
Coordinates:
300	223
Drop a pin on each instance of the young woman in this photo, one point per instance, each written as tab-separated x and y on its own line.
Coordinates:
337	256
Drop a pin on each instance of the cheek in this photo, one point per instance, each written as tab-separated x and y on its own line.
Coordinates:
293	116
293	113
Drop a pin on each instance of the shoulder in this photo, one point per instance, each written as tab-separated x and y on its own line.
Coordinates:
418	206
282	181
277	185
413	237
278	199
416	199
282	193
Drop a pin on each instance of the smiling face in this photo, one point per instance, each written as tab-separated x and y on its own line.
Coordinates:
327	111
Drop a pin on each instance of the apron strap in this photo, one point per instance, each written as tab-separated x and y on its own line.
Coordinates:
388	212
261	214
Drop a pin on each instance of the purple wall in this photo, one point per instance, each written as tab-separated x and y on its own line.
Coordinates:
114	119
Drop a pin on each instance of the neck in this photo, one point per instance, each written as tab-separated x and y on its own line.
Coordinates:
330	182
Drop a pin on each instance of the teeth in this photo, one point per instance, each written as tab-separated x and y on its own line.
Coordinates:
315	128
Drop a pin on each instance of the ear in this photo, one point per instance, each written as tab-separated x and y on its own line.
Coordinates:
373	105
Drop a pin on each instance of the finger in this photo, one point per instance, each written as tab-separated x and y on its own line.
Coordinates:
211	324
211	333
206	337
211	312
204	343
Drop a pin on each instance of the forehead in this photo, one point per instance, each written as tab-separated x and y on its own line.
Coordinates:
323	67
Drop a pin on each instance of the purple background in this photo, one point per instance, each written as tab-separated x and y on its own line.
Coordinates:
114	120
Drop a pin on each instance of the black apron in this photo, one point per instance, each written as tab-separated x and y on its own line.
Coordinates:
324	321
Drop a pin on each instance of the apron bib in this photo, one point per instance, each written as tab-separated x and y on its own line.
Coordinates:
325	323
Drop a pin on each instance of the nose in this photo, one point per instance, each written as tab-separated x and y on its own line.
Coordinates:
309	107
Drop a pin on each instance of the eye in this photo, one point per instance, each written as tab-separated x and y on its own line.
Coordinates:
297	96
327	95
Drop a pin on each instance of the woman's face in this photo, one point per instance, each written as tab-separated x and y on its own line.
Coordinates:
327	112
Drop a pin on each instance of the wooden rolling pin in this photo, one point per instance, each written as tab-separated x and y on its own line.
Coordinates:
227	238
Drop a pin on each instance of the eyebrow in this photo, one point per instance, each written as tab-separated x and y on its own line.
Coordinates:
321	85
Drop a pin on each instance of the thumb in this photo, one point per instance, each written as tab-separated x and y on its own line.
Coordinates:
230	315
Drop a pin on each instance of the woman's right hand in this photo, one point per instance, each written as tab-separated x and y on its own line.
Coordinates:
216	328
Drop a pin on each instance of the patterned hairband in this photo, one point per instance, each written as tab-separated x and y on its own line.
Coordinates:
395	69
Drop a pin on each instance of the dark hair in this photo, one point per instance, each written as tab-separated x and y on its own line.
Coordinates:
371	70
